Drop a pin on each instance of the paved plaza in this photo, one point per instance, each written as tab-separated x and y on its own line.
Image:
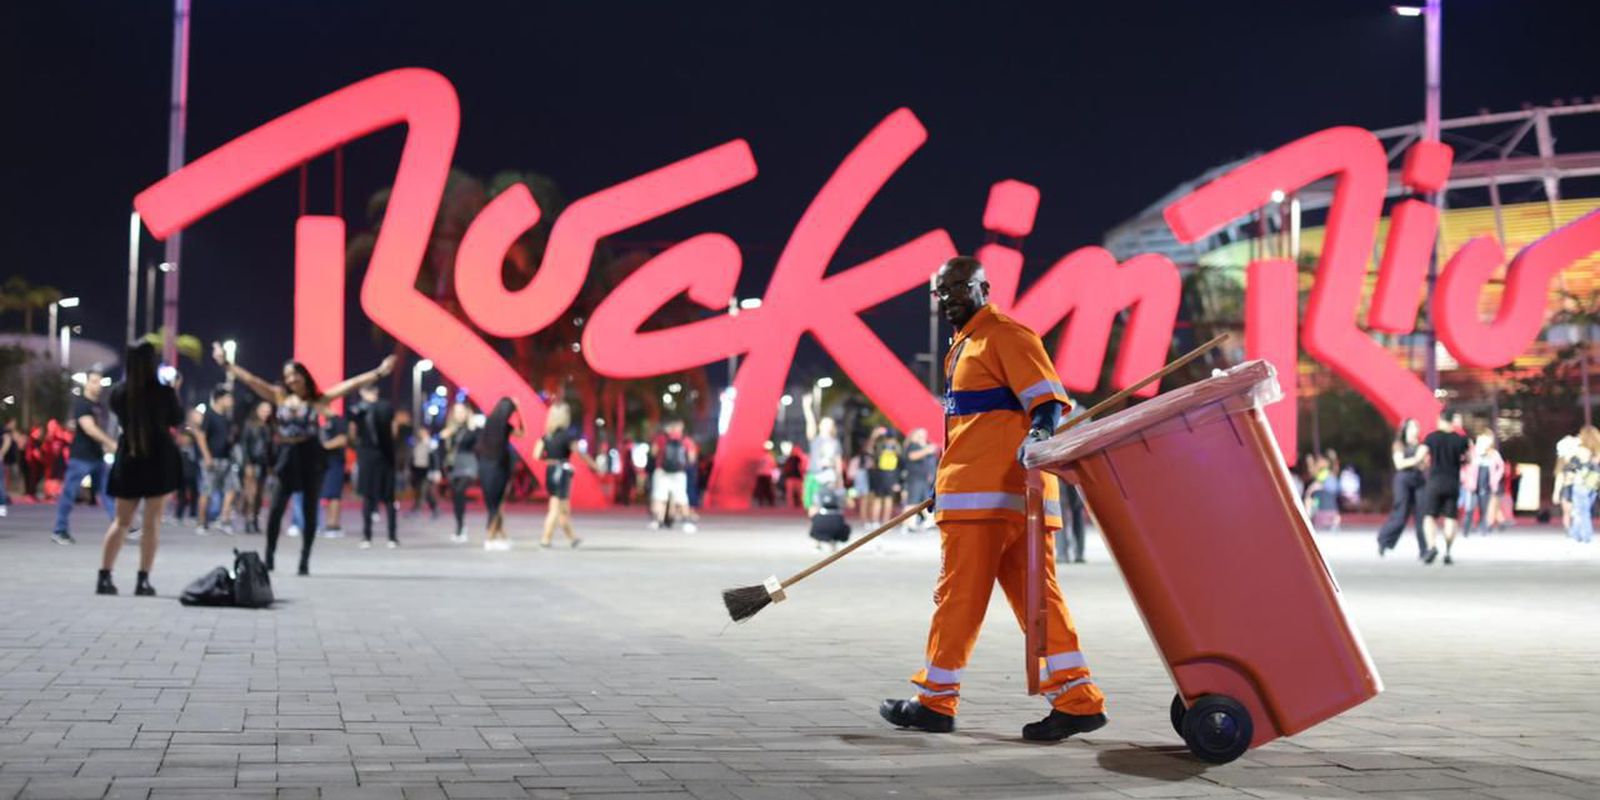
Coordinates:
443	671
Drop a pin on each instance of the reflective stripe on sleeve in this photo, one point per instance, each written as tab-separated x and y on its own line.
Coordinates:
1041	389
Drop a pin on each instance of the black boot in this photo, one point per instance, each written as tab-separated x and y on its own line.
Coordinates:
1059	725
143	587
911	714
103	584
305	566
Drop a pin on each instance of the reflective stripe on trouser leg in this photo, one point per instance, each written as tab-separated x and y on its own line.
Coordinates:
971	555
1064	673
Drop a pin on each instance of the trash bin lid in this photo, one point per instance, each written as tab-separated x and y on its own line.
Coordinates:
1253	382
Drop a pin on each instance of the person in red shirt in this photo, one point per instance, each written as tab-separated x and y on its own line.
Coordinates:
675	456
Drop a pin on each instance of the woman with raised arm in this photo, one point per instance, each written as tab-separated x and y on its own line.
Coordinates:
300	458
147	466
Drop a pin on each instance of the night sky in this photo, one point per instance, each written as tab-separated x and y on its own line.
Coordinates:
1104	106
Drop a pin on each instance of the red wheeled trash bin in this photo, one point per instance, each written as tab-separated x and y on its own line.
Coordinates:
1194	500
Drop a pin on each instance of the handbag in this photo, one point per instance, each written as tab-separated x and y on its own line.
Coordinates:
252	587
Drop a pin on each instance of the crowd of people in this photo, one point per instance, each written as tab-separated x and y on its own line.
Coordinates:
1448	483
292	454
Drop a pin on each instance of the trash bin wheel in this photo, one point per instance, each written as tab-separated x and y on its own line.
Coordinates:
1178	710
1217	728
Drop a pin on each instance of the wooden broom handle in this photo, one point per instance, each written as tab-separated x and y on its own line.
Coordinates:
1092	412
849	548
1170	368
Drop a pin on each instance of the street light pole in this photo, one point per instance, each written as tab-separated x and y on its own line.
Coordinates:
416	390
733	359
175	136
50	334
1432	24
133	276
933	336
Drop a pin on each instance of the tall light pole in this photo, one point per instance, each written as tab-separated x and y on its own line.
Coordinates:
133	276
175	136
425	365
1432	13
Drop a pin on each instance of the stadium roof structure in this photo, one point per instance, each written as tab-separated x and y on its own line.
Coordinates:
1491	151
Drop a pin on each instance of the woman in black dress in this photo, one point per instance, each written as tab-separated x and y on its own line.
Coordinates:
494	466
555	448
147	466
301	459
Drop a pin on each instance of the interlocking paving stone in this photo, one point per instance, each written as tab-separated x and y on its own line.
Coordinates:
440	671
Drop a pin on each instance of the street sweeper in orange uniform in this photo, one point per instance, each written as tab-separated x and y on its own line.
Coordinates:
1002	392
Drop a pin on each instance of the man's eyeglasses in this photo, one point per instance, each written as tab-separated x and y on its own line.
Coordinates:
946	292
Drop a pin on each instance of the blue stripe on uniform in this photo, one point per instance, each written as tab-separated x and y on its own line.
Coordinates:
957	404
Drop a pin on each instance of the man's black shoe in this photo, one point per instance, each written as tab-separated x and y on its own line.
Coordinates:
911	714
1059	725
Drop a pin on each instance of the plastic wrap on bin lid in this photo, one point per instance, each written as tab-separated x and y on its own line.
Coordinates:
1253	384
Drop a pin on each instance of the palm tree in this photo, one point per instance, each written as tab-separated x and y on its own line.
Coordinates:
20	295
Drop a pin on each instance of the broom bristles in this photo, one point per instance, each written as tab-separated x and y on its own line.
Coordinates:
745	601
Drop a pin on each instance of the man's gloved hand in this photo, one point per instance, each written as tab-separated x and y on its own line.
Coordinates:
1046	417
1034	435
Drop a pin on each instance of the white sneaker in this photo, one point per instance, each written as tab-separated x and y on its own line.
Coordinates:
333	533
392	544
227	528
690	527
655	525
460	537
3	511
366	545
489	544
294	531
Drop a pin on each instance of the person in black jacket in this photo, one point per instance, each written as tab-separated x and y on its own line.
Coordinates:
147	466
372	427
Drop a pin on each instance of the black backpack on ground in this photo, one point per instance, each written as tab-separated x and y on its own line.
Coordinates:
252	588
215	588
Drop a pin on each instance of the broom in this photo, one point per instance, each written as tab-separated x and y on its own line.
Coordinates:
745	602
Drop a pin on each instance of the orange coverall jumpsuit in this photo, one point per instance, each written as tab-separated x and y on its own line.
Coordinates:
999	372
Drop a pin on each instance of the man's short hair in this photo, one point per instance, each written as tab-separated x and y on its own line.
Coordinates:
220	392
